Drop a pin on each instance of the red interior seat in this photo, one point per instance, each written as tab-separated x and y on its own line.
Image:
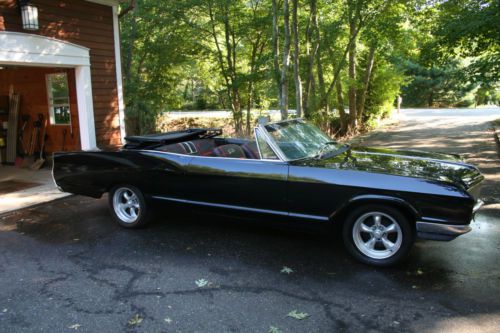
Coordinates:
230	150
251	150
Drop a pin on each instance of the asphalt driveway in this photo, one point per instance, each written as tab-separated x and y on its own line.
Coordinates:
66	266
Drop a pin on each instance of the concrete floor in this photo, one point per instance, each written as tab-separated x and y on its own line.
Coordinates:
67	266
46	191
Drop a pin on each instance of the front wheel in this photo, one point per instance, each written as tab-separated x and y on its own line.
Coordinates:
378	235
128	206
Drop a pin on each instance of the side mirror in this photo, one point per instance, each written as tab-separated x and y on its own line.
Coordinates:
262	120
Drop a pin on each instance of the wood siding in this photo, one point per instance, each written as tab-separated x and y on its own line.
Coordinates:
90	25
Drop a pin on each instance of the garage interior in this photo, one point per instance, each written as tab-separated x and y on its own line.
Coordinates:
38	116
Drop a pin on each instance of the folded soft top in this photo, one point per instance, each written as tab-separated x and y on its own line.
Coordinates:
151	140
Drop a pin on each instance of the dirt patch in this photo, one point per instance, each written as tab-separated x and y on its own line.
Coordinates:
167	124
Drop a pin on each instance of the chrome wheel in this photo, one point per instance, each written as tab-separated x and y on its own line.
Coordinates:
377	235
126	205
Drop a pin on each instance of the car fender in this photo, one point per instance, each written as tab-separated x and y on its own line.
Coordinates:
372	199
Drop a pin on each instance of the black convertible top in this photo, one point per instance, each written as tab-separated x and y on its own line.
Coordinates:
152	140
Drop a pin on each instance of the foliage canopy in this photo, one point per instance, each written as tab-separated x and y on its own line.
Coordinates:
342	63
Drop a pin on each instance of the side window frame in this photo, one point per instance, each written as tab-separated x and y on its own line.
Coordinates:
259	133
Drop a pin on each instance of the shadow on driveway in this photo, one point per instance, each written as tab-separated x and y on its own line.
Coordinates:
68	261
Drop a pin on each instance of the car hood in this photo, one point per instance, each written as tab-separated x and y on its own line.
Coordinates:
410	163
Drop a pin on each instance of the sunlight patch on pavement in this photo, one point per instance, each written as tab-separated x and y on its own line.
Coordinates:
484	323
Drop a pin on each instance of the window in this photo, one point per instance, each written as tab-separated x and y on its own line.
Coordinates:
266	153
298	139
58	93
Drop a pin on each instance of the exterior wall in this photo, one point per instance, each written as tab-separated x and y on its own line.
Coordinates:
90	25
30	84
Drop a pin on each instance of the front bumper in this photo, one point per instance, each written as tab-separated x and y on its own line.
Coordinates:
479	204
444	232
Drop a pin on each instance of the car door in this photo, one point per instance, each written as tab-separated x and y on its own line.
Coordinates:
167	176
251	185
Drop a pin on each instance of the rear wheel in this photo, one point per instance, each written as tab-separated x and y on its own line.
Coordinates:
378	235
128	206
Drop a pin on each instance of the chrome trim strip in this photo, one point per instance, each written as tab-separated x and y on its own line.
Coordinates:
311	217
443	229
248	209
200	156
434	220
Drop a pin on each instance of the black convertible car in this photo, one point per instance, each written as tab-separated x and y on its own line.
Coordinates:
383	199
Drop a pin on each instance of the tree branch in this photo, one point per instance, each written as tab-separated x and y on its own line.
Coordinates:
129	8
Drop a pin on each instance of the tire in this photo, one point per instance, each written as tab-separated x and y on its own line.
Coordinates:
128	206
378	235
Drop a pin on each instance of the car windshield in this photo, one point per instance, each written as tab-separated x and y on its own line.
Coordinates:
298	139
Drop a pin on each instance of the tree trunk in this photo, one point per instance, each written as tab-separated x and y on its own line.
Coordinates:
253	68
296	69
220	57
352	69
286	60
355	25
249	108
366	82
344	121
229	72
276	52
310	39
237	116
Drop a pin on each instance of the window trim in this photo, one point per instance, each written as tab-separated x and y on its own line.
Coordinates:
50	99
270	142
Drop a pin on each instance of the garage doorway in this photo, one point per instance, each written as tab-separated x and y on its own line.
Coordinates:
48	84
47	103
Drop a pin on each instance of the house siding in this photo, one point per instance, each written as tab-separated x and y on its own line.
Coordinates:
90	25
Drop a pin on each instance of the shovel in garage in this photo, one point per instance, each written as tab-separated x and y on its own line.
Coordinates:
35	136
38	163
29	158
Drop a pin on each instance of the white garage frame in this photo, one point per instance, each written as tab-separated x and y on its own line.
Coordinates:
22	49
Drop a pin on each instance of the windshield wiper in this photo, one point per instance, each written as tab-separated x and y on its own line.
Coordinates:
337	151
323	149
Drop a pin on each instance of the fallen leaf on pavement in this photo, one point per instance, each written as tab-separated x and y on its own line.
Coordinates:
201	283
298	315
135	320
274	329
